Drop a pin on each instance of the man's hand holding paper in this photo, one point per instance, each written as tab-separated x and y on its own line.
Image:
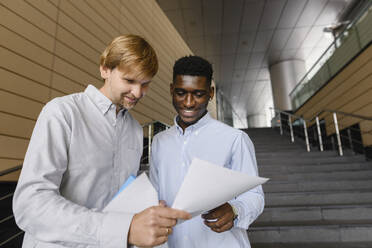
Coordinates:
207	186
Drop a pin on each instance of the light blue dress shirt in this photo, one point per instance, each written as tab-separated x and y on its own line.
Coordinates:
213	141
79	155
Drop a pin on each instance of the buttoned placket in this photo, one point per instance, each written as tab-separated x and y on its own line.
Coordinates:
118	127
185	137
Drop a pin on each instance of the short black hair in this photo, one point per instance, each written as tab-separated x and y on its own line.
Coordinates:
193	66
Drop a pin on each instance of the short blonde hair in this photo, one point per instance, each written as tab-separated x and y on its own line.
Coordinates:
131	51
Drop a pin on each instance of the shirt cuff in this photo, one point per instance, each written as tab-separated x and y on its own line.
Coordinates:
115	228
243	220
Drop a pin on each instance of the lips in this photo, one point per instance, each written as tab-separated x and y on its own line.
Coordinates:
188	113
130	100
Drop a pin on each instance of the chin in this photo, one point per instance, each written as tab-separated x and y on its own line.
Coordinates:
188	120
128	106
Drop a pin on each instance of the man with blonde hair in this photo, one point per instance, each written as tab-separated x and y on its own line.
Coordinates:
83	148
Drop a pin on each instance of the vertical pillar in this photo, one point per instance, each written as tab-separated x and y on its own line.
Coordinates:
257	120
284	77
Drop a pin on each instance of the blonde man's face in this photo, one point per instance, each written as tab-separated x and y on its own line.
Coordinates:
124	88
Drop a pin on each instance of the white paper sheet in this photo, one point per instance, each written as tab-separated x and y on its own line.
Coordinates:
207	186
138	196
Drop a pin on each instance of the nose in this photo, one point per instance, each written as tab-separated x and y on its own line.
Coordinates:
189	101
137	90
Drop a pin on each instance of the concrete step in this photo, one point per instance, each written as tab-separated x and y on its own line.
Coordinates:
275	145
277	150
316	215
311	186
315	199
331	236
320	176
309	160
318	198
263	169
300	153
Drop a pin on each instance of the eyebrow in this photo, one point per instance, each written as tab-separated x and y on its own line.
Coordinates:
132	79
190	90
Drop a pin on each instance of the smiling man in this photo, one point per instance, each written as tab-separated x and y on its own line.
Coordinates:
196	134
83	148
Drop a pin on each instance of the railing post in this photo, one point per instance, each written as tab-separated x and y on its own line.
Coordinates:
150	141
338	135
306	137
280	123
291	128
350	140
319	134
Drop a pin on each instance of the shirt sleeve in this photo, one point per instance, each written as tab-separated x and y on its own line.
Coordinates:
251	203
39	208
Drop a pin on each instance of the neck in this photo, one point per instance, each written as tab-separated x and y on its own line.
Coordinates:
105	92
184	125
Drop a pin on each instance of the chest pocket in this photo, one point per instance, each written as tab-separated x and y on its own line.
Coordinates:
129	162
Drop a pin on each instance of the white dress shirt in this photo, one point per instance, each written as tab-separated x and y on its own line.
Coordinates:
79	155
213	141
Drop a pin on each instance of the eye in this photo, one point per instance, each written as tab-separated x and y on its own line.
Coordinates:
199	93
145	85
130	81
180	92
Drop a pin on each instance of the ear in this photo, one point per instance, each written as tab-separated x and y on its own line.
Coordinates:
171	88
211	93
105	72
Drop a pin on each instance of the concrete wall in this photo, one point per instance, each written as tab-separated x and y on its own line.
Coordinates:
51	48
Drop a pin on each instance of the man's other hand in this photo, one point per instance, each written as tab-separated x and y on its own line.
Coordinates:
152	226
220	219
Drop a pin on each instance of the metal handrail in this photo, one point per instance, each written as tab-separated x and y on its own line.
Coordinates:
6	196
367	118
11	238
150	136
333	44
316	118
10	170
291	127
153	122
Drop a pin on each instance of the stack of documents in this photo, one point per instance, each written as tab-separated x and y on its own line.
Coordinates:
206	186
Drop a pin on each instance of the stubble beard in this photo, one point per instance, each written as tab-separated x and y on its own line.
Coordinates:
127	105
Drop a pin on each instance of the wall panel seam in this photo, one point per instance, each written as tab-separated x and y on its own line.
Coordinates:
17	115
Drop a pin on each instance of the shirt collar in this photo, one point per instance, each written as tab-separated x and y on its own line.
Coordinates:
100	100
200	123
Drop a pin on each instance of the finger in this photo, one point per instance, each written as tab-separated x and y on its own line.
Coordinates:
224	228
221	221
162	231
210	216
160	240
165	222
214	214
168	231
162	203
172	213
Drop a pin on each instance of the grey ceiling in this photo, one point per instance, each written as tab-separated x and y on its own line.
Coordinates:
242	38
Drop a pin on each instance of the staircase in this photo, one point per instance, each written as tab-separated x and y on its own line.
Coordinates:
10	235
315	199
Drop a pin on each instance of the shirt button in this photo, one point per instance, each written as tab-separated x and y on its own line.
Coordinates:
185	142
